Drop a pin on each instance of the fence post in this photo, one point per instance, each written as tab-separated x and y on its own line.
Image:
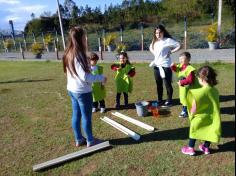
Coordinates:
34	37
100	48
24	41
104	40
22	51
44	42
56	49
185	33
121	32
142	37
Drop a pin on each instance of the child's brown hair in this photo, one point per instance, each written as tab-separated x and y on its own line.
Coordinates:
124	54
186	54
94	56
208	74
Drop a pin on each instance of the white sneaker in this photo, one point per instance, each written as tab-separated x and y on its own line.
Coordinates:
102	110
94	109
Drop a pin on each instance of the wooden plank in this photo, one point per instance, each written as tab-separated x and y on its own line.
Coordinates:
122	128
71	156
134	121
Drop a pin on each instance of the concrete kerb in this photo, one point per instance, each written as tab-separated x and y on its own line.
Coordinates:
198	56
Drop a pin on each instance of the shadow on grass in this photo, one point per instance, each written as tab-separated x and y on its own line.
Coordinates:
228	129
227	110
132	106
224	98
3	91
122	107
175	101
226	147
24	80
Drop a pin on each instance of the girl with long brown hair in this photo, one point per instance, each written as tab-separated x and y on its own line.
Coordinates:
79	79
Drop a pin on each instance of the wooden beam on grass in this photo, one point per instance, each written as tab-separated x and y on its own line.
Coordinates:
71	156
134	121
122	128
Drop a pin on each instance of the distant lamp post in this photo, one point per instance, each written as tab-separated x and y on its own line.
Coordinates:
61	26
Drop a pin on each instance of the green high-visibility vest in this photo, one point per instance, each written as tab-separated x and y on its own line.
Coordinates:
123	82
98	90
184	89
205	124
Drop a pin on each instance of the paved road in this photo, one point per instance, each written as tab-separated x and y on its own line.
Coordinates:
198	56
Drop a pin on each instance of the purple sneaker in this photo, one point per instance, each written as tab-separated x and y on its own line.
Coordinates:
188	150
204	149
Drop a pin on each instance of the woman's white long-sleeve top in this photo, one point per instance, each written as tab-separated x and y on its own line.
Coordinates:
161	51
81	83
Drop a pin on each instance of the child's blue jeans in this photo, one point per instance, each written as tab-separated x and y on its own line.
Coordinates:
82	111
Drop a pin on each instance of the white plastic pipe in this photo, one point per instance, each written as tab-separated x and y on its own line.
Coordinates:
134	121
71	156
122	128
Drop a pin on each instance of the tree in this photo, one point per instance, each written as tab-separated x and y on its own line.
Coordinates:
46	14
181	8
32	15
70	9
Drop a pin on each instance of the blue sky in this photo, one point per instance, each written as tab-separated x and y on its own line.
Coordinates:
20	10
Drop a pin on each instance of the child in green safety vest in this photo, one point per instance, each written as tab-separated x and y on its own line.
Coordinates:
186	79
123	78
98	89
204	112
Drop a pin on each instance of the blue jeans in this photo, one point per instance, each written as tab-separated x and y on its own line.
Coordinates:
184	109
82	110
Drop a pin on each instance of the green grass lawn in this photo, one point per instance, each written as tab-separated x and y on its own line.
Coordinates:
35	125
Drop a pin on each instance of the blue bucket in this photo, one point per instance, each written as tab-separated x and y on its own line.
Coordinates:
142	108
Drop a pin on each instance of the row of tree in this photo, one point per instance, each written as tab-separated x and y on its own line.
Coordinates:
129	13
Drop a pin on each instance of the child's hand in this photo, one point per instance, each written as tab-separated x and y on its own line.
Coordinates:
115	67
169	53
193	108
104	81
172	64
179	83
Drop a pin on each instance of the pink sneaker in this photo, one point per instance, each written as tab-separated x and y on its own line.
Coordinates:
188	150
204	149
